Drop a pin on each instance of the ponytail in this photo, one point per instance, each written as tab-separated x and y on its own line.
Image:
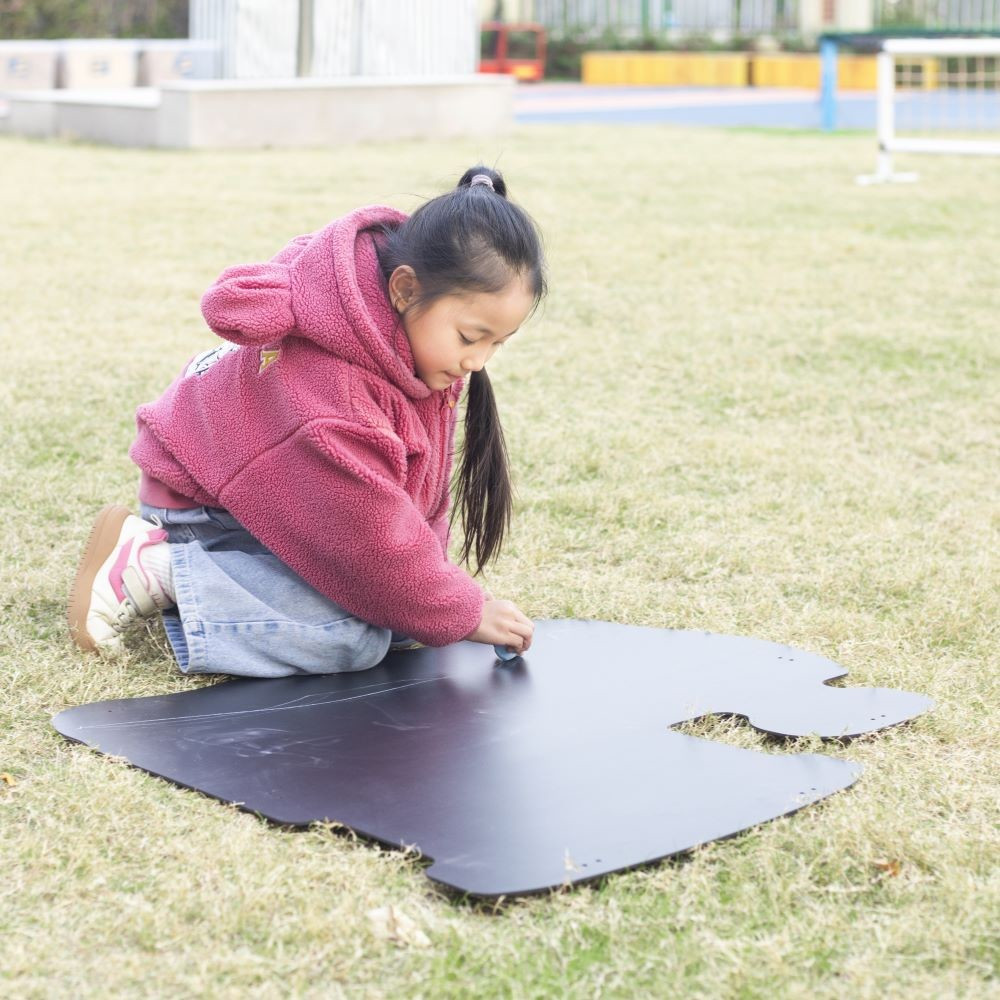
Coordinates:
481	484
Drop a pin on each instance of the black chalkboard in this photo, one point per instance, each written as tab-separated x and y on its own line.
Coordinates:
512	777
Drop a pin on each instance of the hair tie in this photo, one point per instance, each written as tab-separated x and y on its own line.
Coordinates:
482	179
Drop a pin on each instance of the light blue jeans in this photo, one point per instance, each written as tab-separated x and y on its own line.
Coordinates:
242	611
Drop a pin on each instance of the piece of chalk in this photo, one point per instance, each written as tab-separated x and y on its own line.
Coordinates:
504	653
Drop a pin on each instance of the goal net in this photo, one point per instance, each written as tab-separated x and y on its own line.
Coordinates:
936	95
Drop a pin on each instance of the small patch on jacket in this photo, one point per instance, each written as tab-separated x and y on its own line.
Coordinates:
267	358
202	362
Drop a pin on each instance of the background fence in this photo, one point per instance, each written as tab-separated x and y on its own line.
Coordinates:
745	17
937	14
657	16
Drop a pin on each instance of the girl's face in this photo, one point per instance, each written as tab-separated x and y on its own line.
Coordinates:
458	334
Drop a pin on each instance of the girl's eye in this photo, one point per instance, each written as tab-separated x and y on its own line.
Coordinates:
465	340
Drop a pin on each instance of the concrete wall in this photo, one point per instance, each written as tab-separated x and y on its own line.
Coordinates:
234	114
253	113
121	118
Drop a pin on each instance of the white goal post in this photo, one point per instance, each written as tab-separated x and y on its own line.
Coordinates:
944	50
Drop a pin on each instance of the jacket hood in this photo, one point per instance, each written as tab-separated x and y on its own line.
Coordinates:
340	300
328	288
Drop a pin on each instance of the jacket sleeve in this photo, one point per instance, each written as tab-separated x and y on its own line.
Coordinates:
252	303
442	530
329	501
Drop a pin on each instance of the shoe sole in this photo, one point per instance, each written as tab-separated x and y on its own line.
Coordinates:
101	543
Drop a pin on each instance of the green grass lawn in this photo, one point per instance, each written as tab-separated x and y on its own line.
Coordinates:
759	400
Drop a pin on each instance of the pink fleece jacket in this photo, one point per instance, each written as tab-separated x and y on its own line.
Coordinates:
316	434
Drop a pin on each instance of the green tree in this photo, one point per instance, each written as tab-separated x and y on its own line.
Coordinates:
93	19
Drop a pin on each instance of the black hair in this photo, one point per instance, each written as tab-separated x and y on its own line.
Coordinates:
472	240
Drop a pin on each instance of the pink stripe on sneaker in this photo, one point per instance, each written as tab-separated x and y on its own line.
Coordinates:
115	574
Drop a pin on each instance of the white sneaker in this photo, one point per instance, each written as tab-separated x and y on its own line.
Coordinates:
113	590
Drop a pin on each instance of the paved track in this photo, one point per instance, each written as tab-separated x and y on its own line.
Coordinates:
760	107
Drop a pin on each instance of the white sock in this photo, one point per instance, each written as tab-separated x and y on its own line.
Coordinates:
156	561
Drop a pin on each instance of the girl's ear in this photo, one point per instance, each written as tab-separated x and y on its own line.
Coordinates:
403	287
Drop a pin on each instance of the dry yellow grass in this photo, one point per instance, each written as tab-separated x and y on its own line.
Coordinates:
759	400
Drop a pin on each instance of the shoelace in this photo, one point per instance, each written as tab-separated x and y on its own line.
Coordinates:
125	616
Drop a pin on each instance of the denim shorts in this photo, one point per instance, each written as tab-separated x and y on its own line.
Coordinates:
242	611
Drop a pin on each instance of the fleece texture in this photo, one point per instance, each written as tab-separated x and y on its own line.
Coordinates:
315	433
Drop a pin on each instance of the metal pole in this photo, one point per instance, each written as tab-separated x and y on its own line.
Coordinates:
828	84
305	49
886	113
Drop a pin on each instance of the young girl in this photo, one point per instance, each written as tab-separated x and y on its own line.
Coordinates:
295	480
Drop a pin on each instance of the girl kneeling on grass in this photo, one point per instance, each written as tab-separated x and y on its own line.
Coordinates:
295	480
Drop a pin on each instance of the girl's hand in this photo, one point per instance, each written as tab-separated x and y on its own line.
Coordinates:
504	624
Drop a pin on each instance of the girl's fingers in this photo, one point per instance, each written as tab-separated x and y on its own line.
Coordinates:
529	634
522	619
522	636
